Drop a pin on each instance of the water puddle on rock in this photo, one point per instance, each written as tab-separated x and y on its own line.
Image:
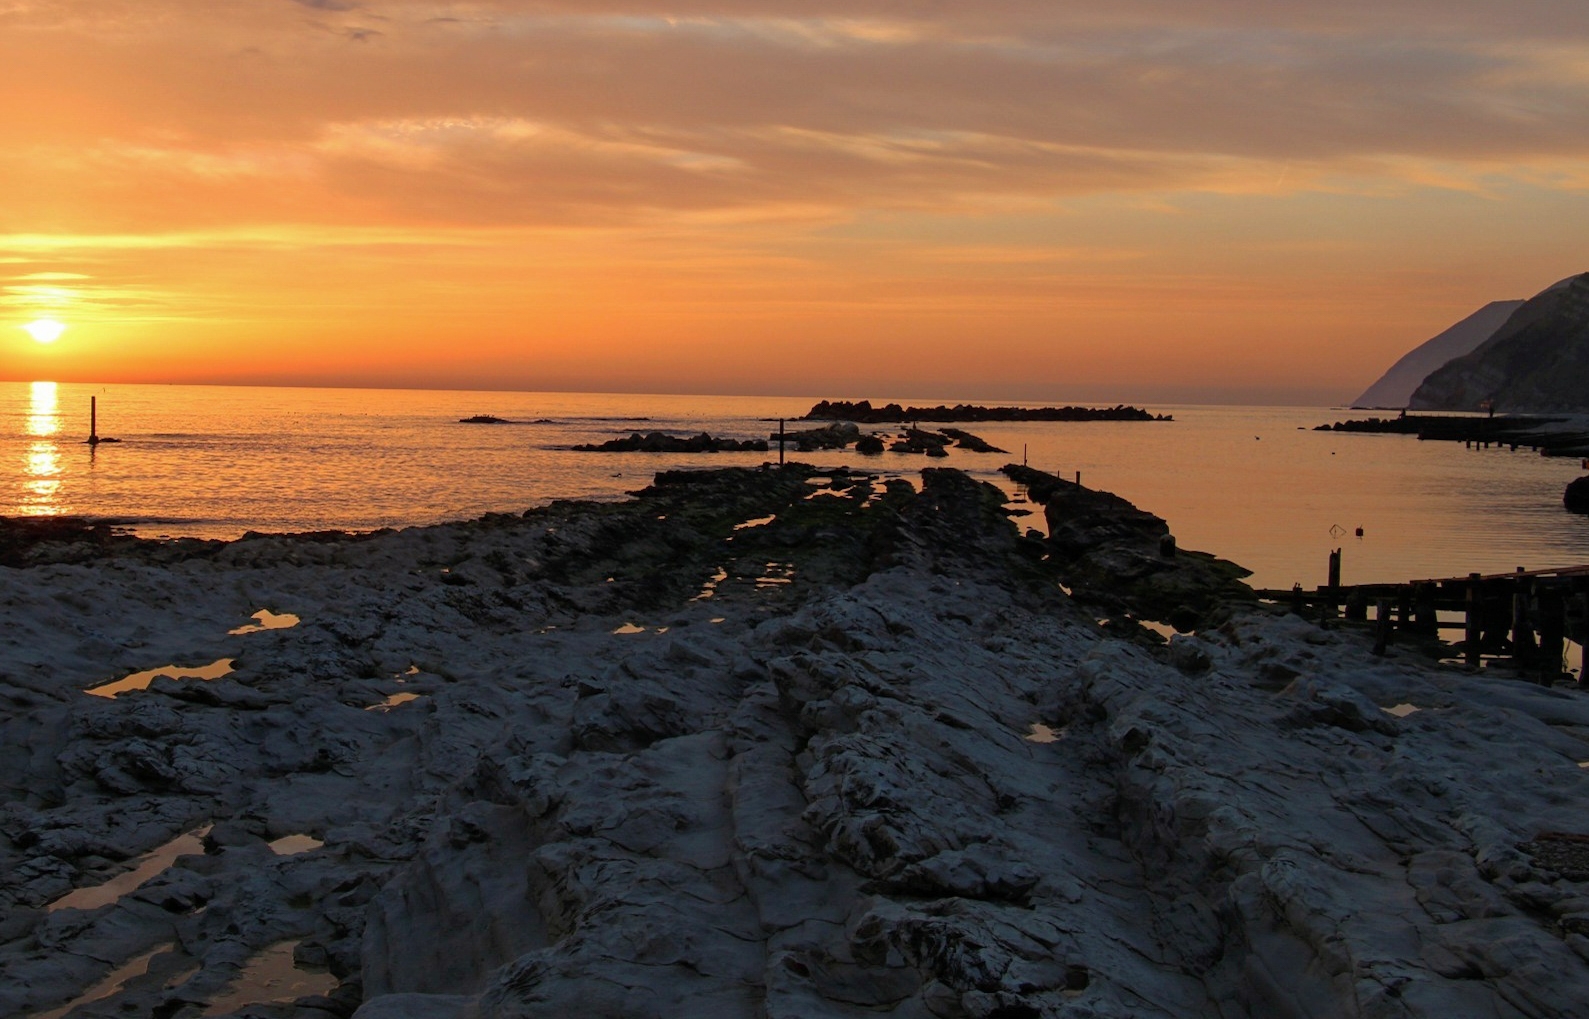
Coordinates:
149	867
710	587
393	700
268	620
758	522
1164	630
630	628
271	975
1040	733
112	984
292	845
141	680
1401	710
777	574
718	619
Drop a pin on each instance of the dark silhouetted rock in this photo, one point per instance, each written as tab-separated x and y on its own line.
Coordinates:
893	413
965	440
834	436
659	442
1576	498
870	445
484	419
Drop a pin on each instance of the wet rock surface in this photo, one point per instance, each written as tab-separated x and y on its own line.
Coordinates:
759	743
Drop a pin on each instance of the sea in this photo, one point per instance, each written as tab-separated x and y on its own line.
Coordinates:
1256	485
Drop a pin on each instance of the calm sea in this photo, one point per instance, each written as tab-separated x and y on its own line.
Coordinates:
1252	484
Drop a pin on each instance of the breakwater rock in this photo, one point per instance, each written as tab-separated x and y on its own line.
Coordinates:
660	442
864	413
757	742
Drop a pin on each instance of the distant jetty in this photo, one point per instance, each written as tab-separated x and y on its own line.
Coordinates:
864	413
1513	431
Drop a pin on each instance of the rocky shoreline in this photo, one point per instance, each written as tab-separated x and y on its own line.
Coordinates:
759	742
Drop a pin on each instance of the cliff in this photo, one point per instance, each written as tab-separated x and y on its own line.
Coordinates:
1396	386
1537	361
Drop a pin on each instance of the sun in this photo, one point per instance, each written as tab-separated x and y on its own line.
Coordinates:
45	330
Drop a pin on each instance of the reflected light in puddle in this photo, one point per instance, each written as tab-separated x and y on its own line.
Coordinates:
141	680
268	620
271	976
149	867
630	628
758	522
393	700
1401	710
292	845
116	981
1040	733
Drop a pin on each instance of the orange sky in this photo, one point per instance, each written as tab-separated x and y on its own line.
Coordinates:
1152	200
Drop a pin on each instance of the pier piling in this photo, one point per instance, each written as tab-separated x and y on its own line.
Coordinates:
1475	621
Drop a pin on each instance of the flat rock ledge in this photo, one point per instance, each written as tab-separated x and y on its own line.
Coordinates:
761	743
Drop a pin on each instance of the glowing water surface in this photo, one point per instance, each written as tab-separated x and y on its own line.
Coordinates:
1252	484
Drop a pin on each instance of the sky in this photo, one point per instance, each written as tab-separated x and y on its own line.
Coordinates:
1257	201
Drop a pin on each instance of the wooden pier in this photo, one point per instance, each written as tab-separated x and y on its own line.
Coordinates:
1525	617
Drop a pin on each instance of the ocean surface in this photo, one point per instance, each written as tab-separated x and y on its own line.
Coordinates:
1251	484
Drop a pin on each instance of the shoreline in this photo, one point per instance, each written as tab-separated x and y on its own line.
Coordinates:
766	742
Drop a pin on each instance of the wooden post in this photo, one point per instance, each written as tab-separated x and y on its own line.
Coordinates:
780	442
1335	570
1404	607
1078	477
1296	598
1475	620
93	419
1552	628
1381	625
1522	628
1357	605
1426	615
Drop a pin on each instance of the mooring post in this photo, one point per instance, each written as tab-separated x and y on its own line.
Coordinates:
780	442
1381	625
93	419
1335	570
1552	630
1357	605
1426	614
1522	629
1078	477
1404	607
1296	598
1475	618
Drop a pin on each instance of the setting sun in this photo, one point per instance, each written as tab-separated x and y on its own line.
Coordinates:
45	330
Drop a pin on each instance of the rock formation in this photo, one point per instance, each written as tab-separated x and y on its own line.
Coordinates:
863	412
759	742
1537	361
1395	388
661	442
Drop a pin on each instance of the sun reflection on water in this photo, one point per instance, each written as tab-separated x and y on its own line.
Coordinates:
43	416
41	465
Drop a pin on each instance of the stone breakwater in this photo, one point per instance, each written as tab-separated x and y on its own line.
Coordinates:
758	743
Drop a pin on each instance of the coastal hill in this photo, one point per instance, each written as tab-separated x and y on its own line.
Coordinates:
1396	386
1537	361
